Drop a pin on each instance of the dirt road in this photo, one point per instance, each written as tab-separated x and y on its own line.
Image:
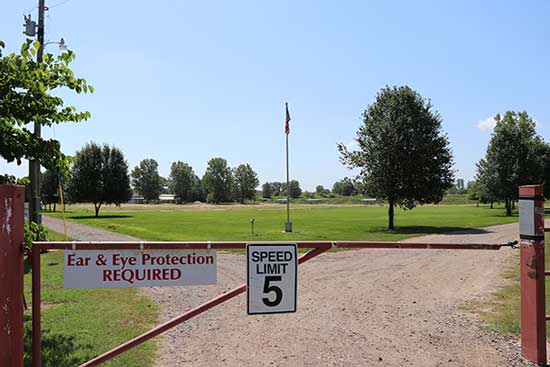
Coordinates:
355	308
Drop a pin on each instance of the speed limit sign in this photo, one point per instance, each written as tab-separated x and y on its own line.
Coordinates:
272	276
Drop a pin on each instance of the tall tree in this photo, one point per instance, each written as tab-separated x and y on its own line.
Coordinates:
99	176
183	180
487	185
146	179
218	181
277	188
245	182
472	189
514	155
460	185
345	187
166	185
403	155
116	179
266	190
199	191
294	190
49	188
26	96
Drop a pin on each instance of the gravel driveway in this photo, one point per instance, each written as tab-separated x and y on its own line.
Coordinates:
355	308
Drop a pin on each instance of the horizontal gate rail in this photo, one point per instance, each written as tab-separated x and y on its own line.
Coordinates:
233	245
318	247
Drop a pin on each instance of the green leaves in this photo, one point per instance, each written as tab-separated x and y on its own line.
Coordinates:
515	156
26	96
182	179
218	180
245	182
146	179
403	156
99	175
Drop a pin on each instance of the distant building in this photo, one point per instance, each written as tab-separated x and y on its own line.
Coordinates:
135	199
163	198
167	198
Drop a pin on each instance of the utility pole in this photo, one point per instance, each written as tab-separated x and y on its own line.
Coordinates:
34	166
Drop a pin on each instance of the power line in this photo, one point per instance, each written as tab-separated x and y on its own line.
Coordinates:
58	4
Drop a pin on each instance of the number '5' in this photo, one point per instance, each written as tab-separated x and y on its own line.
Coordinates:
272	288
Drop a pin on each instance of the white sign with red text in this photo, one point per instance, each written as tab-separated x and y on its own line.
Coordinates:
135	268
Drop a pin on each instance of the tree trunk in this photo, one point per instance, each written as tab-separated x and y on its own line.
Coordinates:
508	207
513	204
491	205
390	215
97	206
54	207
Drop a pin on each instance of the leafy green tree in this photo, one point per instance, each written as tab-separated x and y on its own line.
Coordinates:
294	189
514	156
472	190
26	89
49	188
488	189
245	181
277	188
146	180
116	180
218	181
403	156
337	188
166	185
345	187
99	176
460	186
183	181
199	191
308	195
266	190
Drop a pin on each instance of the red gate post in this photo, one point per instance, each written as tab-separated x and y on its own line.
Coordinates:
533	308
11	275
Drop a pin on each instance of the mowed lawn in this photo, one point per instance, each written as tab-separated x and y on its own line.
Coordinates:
313	222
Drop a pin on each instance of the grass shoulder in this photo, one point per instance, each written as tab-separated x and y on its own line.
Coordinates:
500	312
79	324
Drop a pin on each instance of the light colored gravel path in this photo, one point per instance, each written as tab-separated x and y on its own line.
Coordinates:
356	308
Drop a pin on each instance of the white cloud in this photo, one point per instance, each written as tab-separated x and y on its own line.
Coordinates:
487	124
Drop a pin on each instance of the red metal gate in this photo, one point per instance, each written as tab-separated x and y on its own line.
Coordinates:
532	262
316	247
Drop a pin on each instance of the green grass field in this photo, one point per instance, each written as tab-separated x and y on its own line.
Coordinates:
311	222
83	323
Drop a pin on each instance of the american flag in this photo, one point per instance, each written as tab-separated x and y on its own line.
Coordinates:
287	121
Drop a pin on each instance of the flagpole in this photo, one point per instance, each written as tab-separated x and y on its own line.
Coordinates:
288	224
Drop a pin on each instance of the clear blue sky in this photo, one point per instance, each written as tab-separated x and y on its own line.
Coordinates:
182	80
